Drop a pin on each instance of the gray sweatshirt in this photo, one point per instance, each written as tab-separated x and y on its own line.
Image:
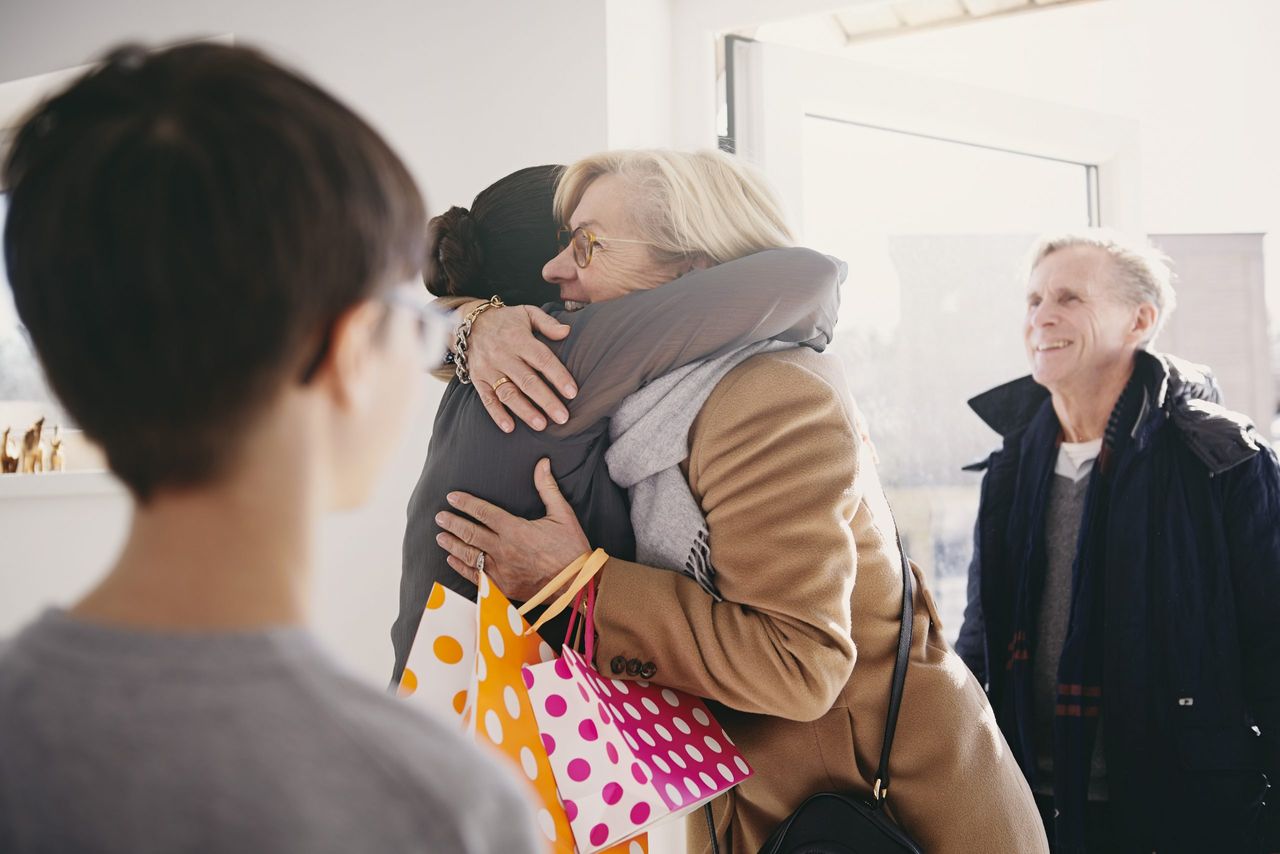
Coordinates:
130	741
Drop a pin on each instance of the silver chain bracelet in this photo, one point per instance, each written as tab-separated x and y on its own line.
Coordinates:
463	332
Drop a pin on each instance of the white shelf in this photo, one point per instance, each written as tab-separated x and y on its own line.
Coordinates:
58	484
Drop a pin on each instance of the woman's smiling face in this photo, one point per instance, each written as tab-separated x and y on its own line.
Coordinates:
618	265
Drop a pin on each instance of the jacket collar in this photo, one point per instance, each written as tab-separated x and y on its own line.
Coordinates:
1171	388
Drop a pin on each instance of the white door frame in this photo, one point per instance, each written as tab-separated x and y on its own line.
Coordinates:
773	88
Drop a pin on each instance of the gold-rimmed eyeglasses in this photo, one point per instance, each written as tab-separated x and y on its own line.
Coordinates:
584	243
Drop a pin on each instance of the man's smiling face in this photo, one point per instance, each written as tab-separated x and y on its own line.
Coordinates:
1077	325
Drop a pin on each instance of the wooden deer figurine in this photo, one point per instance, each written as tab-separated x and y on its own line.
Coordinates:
57	460
8	454
33	450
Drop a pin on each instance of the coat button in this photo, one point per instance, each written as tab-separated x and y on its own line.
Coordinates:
633	667
647	671
618	664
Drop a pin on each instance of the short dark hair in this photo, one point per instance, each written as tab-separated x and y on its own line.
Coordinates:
500	245
184	228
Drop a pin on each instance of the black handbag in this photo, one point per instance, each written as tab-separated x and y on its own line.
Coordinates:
835	823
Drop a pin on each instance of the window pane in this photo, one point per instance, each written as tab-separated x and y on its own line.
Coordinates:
935	233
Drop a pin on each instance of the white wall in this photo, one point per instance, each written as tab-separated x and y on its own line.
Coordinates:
466	92
638	73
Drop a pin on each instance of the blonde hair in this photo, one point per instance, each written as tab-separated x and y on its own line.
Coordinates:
1143	272
686	204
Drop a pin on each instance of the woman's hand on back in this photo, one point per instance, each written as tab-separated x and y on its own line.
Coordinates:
520	555
502	344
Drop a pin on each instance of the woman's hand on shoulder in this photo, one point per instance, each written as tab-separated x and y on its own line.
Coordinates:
515	373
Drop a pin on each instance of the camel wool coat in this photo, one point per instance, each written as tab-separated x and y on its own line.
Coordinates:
797	661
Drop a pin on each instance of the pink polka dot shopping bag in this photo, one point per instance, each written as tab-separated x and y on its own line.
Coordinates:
466	662
625	754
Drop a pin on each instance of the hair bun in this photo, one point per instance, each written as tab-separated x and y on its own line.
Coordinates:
456	260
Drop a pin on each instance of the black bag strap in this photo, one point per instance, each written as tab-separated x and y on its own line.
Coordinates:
881	789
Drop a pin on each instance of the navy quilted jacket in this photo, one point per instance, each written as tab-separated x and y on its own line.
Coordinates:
1192	606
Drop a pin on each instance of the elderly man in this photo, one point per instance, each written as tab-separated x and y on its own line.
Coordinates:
1124	596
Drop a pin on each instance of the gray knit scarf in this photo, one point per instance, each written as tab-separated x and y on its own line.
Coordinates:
650	438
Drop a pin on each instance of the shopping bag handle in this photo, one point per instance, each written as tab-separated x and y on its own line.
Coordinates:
585	567
588	621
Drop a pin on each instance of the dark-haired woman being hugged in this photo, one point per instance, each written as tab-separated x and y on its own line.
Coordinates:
676	313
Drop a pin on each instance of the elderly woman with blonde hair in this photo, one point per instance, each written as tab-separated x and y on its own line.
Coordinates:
756	505
613	346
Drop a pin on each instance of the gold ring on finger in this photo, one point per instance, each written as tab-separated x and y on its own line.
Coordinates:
499	382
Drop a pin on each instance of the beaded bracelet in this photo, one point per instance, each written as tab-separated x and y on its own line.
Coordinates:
463	332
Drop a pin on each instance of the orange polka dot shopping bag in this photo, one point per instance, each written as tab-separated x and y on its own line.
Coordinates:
467	662
626	754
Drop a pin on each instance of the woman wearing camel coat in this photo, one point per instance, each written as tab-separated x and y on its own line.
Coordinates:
797	659
796	651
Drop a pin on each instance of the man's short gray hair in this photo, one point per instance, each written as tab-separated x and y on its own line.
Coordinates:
1143	272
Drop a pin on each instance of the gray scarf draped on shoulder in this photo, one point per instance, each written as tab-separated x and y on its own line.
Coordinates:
650	438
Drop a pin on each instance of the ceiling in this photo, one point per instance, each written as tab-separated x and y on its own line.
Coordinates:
878	19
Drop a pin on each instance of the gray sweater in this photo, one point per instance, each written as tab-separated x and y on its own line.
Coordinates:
1063	518
124	741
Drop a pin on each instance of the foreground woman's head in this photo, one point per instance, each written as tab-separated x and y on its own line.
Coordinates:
633	220
197	237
